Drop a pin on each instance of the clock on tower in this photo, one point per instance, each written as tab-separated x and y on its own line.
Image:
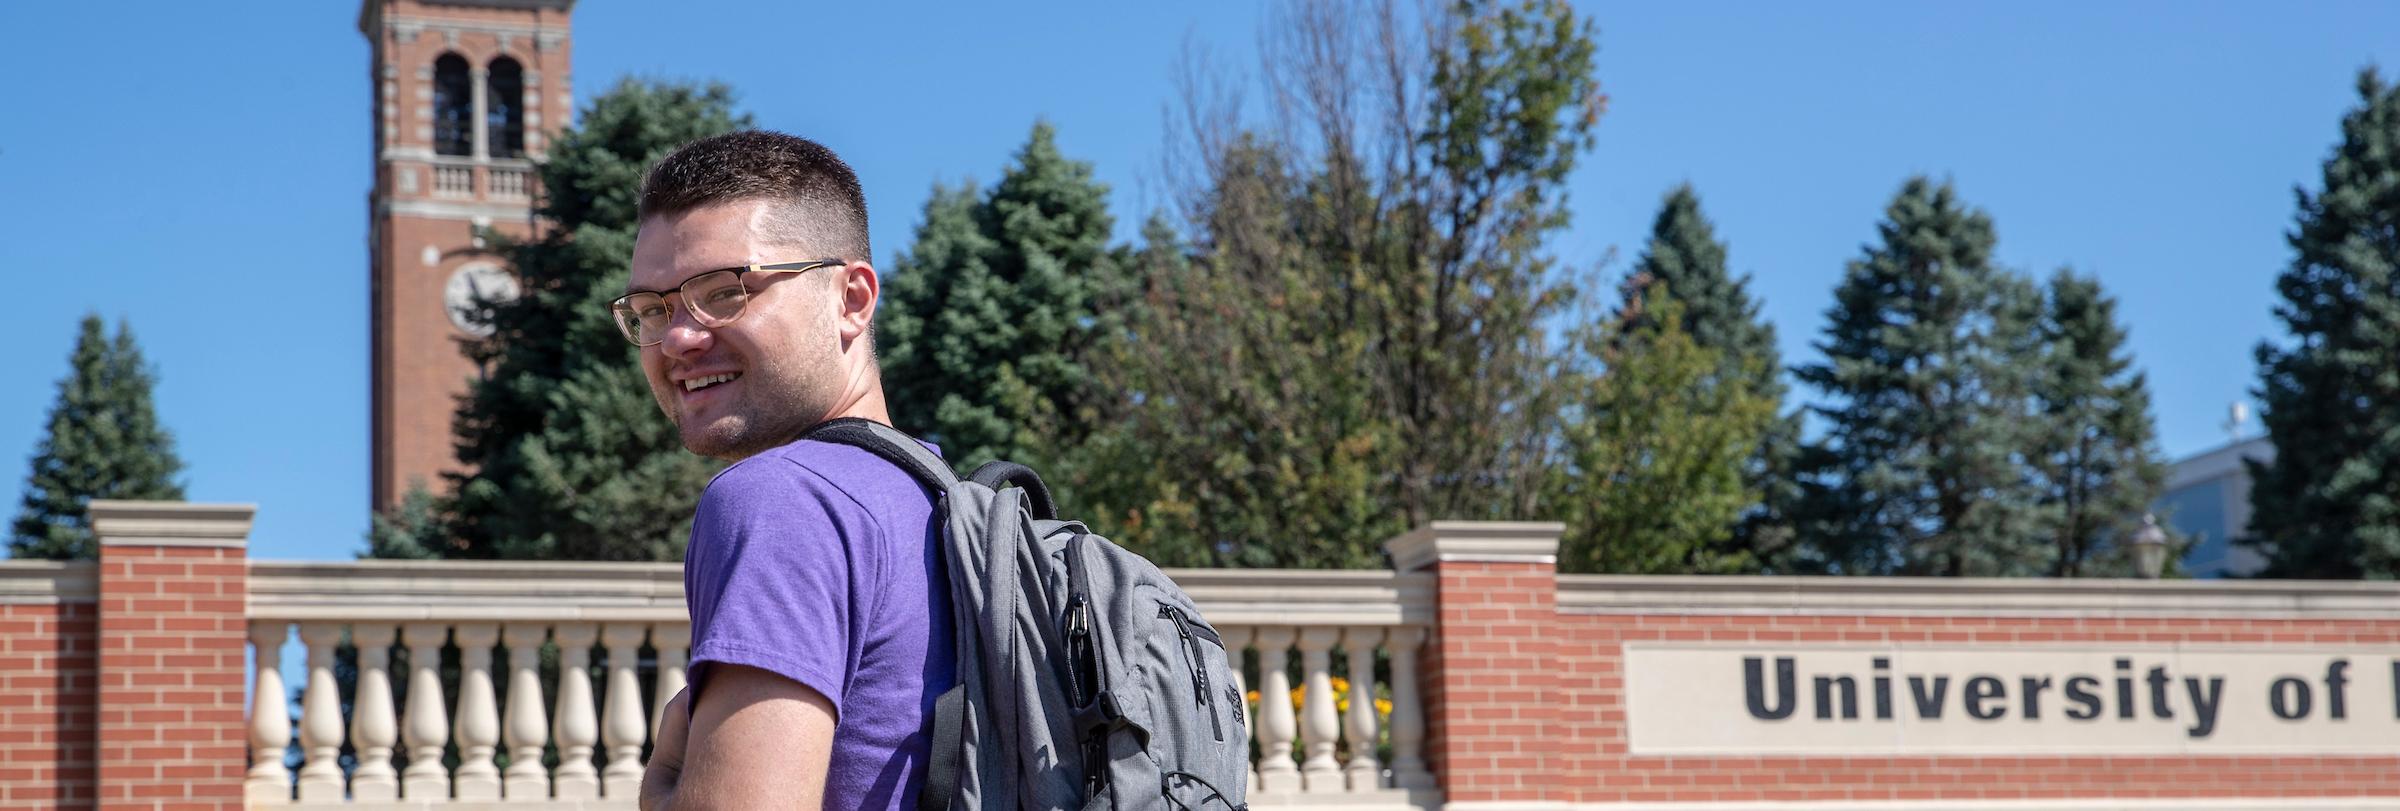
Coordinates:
466	93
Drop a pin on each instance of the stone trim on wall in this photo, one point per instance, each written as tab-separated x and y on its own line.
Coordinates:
1476	542
1982	597
171	524
48	582
2082	804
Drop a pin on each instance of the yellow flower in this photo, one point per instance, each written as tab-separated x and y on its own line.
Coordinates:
1341	698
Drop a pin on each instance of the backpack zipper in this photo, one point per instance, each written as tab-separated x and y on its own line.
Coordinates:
1083	665
1184	629
1079	648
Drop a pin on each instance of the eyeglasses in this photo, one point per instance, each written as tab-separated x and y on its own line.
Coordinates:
715	299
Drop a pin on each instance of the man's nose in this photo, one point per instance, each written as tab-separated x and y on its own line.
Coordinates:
685	335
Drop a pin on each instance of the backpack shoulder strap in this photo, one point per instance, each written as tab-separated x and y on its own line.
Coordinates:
888	442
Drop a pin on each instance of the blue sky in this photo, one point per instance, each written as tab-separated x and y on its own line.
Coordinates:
202	169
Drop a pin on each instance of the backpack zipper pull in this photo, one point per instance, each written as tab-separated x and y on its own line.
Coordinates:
1199	665
1079	644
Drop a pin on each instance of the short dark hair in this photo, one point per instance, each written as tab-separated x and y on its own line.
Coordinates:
763	165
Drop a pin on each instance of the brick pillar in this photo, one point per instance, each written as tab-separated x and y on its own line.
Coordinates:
1491	694
48	683
173	582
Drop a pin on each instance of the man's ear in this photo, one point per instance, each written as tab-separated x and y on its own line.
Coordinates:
860	291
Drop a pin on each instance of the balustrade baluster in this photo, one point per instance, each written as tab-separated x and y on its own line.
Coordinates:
526	730
427	729
1408	719
621	726
373	730
270	718
1237	639
1320	725
1276	771
478	724
673	641
577	728
1365	773
320	716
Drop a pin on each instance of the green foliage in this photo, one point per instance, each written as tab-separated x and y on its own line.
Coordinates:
1718	314
994	314
2095	455
1928	353
1685	256
1352	341
571	457
2328	506
412	531
1653	478
104	441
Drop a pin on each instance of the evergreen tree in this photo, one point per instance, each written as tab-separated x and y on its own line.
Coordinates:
1718	314
104	441
571	458
1685	256
2328	506
1353	340
1653	476
2095	459
1927	353
987	336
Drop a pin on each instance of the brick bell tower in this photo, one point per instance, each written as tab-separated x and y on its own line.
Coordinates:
466	94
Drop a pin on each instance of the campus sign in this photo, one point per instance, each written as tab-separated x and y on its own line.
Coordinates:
2087	699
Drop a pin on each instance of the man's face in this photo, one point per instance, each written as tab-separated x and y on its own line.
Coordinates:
782	352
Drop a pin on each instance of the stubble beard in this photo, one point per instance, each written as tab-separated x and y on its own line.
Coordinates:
777	401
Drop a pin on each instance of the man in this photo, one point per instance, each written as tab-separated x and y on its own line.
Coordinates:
820	624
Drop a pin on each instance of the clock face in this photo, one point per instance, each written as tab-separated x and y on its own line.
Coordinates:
475	283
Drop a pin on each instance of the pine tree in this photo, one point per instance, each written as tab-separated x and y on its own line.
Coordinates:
1653	476
988	333
2328	506
1718	313
2096	460
1927	352
571	458
104	441
1686	257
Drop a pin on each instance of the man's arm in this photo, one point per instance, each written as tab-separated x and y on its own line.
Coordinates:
757	740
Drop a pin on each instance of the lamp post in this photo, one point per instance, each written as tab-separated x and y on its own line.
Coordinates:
2150	548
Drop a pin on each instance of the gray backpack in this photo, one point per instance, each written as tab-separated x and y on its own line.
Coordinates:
1087	679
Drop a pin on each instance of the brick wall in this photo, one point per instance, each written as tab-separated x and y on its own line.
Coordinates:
172	639
1597	768
1526	682
121	680
49	685
1493	722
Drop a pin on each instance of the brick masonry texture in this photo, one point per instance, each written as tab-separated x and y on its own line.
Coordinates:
1528	704
49	705
171	643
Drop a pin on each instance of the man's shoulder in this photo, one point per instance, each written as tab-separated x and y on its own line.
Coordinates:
810	465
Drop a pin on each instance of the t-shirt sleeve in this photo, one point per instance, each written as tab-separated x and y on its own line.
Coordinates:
771	577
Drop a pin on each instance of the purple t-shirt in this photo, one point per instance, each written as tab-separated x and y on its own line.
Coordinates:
817	562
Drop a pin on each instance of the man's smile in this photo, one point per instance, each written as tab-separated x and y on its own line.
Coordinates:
695	391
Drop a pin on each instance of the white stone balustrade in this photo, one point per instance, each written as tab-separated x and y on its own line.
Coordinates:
509	182
1309	747
454	181
595	718
481	608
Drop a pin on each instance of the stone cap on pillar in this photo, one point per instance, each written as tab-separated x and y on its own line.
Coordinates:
1478	542
171	523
